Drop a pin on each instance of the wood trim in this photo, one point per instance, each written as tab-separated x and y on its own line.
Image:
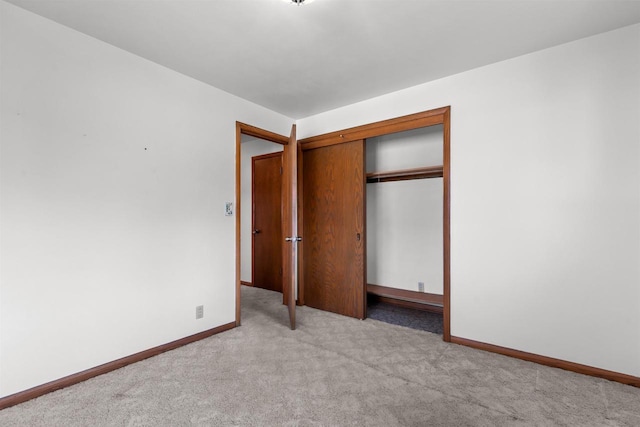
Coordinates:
238	215
262	134
406	174
446	224
300	159
70	380
406	304
550	361
405	295
243	128
384	127
243	283
253	220
365	294
266	156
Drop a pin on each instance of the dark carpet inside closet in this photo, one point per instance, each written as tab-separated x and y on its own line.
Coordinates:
411	318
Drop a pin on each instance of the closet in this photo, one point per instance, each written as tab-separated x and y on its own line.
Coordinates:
375	215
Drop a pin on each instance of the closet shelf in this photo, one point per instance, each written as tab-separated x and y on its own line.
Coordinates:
406	174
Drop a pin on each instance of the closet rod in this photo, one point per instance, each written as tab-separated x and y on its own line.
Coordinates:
406	174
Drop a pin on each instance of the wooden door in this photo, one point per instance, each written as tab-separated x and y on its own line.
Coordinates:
266	222
290	225
334	228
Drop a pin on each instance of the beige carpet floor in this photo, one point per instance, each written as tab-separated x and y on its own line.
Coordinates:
331	371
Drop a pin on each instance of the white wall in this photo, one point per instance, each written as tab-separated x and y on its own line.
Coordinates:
545	197
404	218
114	176
250	147
411	149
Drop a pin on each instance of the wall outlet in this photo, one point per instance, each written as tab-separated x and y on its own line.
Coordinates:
200	312
420	286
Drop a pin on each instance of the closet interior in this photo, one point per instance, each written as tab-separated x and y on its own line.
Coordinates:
404	227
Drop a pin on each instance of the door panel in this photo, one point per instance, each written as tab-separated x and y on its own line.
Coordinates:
267	221
290	225
334	228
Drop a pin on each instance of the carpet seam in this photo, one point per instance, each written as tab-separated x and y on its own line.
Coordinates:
408	381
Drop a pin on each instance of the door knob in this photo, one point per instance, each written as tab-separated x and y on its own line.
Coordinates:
256	231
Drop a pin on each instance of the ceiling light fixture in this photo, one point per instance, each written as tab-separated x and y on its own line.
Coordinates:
299	2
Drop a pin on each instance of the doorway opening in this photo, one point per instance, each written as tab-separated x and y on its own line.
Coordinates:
254	143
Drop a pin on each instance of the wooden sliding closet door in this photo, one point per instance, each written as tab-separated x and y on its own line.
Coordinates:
334	228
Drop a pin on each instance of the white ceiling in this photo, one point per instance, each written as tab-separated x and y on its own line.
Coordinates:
302	60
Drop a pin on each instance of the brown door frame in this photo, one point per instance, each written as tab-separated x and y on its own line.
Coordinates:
439	116
245	129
